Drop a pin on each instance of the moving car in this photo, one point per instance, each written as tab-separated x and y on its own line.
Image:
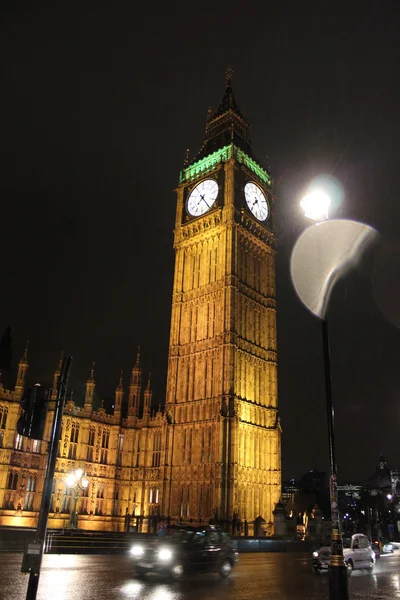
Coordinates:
357	551
376	549
182	550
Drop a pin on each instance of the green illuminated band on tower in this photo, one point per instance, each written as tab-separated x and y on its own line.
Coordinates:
225	153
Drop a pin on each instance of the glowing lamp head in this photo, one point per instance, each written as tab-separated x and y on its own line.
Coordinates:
84	482
70	480
78	473
316	205
389	496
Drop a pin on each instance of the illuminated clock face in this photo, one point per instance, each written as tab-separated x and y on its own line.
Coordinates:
202	197
256	201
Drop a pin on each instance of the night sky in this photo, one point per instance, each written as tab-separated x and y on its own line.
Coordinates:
100	101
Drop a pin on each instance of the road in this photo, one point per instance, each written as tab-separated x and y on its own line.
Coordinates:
274	576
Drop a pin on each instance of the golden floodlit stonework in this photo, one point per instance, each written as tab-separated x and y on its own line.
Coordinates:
214	449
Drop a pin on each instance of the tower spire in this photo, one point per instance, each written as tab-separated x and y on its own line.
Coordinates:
90	387
226	125
21	374
119	395
148	387
135	388
147	397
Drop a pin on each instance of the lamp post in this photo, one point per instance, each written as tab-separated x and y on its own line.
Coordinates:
316	205
77	481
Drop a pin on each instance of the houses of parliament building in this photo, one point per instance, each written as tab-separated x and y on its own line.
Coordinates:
213	450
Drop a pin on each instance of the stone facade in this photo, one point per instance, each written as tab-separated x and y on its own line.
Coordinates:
122	457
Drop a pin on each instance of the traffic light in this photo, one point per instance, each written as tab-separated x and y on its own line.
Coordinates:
34	404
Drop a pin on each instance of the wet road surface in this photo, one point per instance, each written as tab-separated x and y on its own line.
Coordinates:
275	576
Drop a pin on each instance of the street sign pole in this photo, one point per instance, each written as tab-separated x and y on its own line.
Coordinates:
34	551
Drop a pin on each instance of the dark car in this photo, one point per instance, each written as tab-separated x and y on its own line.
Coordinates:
182	550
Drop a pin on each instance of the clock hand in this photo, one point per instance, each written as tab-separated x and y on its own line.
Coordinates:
203	199
255	201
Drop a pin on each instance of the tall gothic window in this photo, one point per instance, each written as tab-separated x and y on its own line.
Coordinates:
30	492
187	446
100	490
3	416
120	448
84	501
99	499
35	448
92	435
156	458
12	481
73	440
105	440
66	503
137	452
184	507
19	442
206	446
153	495
10	495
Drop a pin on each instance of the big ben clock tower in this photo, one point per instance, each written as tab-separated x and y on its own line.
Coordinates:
223	455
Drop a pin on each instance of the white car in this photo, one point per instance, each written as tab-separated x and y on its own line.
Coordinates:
357	551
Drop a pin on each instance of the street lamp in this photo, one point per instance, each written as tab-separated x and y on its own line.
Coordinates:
77	481
315	206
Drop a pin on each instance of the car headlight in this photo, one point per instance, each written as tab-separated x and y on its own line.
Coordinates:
137	550
164	554
315	554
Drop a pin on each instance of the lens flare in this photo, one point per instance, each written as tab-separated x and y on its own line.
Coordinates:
323	254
